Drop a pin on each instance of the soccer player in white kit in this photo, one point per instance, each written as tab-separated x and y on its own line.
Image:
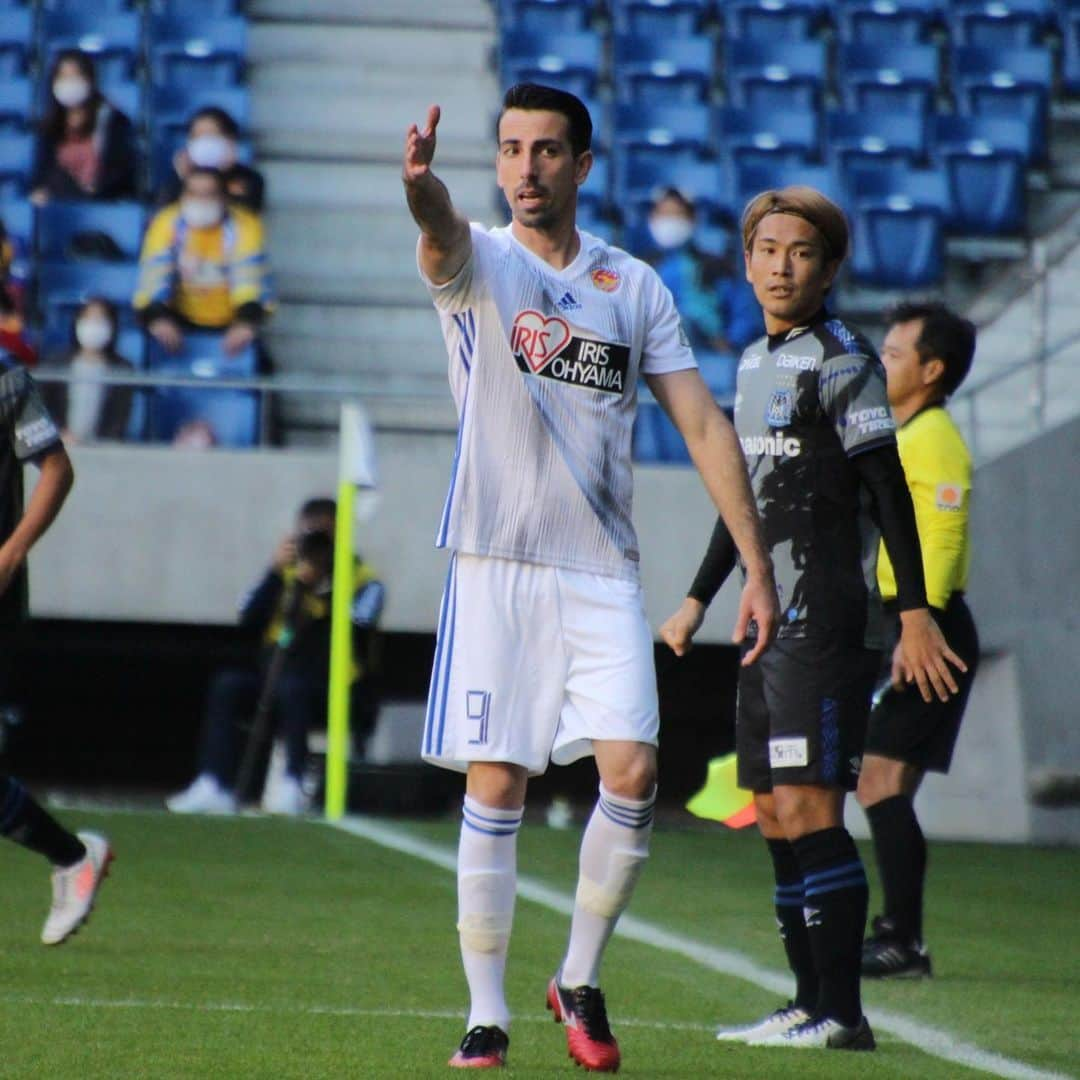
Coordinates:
543	651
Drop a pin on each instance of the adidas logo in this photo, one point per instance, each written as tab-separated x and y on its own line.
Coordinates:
568	303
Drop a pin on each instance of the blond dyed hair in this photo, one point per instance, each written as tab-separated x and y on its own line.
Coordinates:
804	202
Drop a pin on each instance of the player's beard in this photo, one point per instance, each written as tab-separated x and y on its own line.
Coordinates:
543	217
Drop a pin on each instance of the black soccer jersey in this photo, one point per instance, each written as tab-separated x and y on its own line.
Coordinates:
26	430
807	401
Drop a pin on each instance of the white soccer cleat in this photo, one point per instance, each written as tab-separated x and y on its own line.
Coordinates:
825	1034
285	797
776	1023
204	796
75	889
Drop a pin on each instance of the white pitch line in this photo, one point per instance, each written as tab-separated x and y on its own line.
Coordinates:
933	1041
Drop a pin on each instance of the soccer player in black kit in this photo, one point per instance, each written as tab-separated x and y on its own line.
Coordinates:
812	413
28	433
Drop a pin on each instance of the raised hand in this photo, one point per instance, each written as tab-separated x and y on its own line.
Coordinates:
420	147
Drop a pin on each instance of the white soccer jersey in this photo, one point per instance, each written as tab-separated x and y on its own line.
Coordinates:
544	367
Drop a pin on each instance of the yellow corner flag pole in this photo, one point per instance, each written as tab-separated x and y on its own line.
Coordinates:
356	468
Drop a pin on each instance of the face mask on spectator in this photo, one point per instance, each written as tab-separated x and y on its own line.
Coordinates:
201	213
93	333
71	91
211	151
669	231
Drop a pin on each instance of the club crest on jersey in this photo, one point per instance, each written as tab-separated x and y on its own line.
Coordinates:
538	340
778	412
605	279
545	346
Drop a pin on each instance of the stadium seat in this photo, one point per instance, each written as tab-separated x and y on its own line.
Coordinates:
861	142
127	97
1010	83
16	163
746	134
776	74
886	22
593	221
668	133
982	135
59	223
18	218
172	107
655	439
114	41
595	193
999	24
131	345
888	78
1070	58
196	7
987	190
197	52
567	61
70	283
772	20
545	16
898	247
16	41
751	178
233	414
80	5
662	70
659	18
16	104
706	183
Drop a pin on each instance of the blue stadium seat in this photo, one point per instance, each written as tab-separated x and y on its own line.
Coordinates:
861	142
1070	59
81	5
888	78
16	163
655	439
772	20
900	189
751	134
114	41
16	104
16	41
999	24
197	52
706	183
886	22
752	178
593	221
662	70
196	7
567	61
172	107
988	190
18	218
898	247
661	18
131	345
1010	83
776	74
59	222
545	16
595	194
127	97
232	414
668	133
982	135
72	282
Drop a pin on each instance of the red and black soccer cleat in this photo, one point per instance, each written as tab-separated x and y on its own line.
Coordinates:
588	1036
482	1048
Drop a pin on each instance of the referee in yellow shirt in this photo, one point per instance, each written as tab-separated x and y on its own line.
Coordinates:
927	354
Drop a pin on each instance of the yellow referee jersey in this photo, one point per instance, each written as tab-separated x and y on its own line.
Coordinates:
937	465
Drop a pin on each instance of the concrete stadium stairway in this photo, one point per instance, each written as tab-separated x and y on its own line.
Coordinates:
334	85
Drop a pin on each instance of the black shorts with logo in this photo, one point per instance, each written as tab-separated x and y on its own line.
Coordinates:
802	713
923	733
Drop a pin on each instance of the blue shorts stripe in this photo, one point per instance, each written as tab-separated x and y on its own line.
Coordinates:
436	668
449	656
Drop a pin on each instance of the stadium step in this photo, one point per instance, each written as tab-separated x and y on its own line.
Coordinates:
420	13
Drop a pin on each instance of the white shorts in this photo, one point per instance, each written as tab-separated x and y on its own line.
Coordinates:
532	663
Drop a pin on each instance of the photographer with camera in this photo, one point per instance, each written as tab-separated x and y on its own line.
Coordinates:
285	688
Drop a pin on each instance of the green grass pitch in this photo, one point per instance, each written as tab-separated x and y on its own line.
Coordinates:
239	948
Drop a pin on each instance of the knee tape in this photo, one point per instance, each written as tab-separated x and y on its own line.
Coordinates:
485	933
608	898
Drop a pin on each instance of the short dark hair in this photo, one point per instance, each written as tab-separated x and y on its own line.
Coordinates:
319	506
944	336
220	117
535	98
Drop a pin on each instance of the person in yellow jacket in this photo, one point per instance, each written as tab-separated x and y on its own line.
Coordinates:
927	354
203	266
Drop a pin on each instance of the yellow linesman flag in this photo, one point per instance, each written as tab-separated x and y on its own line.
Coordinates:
721	799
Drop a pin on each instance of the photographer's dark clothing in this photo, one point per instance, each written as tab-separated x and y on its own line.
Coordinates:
114	143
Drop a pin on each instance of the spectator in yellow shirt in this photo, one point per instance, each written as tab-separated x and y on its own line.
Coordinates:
204	267
927	354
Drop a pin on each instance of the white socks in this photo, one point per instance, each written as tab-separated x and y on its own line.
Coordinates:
613	851
487	882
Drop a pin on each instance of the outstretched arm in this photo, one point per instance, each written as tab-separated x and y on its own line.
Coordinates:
715	450
445	242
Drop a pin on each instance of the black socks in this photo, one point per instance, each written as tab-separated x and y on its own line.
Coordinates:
900	848
25	822
789	916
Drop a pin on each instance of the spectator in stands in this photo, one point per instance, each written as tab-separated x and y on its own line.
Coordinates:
717	306
203	267
87	409
212	142
86	147
289	610
13	269
13	339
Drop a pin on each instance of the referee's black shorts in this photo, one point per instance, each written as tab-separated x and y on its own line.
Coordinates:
905	728
802	713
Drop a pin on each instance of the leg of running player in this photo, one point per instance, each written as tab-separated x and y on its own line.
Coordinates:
487	883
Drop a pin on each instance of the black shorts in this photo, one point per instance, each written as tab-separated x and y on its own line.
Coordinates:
802	712
905	728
